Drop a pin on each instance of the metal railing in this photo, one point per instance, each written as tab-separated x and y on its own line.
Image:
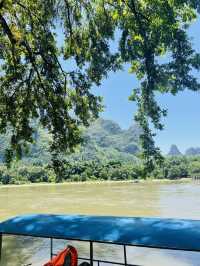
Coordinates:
99	262
107	261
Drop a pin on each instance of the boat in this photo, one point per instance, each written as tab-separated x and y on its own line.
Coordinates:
158	233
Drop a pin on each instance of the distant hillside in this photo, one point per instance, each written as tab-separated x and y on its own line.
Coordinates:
103	140
108	134
174	151
192	151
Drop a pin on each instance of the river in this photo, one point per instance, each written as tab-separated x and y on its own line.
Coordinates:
175	200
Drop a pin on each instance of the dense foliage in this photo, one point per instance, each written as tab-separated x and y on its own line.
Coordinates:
54	51
151	29
34	84
173	168
102	141
108	153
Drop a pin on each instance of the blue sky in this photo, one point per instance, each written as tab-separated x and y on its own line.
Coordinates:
182	125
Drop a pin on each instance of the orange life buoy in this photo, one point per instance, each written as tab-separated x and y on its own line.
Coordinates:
67	257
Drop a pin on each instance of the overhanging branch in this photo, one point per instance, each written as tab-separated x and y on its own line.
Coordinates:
7	30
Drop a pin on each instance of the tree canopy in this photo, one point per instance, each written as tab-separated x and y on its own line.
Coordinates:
36	36
151	29
33	82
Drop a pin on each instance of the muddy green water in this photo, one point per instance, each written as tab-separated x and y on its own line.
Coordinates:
176	200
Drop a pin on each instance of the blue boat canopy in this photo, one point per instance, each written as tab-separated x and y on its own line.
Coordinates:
145	232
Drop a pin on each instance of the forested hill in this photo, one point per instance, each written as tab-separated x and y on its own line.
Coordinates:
108	153
103	140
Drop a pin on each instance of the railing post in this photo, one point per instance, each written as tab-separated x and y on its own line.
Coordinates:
91	253
51	247
1	239
125	256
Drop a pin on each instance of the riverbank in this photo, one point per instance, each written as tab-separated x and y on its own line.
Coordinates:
98	182
95	171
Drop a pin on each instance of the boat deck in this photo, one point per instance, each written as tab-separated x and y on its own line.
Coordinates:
174	234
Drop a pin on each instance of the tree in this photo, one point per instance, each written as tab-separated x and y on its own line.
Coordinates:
149	30
35	84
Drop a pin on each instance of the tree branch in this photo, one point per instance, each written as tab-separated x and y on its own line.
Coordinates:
69	19
1	4
7	30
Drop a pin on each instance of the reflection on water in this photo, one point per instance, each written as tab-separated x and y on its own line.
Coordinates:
121	199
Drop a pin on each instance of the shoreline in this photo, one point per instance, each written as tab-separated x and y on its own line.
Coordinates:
99	182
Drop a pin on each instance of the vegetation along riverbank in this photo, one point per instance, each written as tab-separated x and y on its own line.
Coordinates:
80	171
108	153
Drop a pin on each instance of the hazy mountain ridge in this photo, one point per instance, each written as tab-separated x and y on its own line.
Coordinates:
174	151
103	140
192	151
108	134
